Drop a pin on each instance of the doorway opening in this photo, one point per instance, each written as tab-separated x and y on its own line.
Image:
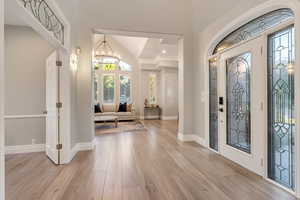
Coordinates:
140	84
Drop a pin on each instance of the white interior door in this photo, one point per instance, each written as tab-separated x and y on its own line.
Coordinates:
241	117
52	110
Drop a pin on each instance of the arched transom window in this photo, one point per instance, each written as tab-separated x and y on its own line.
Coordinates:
254	28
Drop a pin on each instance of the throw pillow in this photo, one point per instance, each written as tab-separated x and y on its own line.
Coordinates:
122	107
98	108
129	107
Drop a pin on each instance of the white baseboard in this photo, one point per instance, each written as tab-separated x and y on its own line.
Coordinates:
24	149
191	138
169	117
86	146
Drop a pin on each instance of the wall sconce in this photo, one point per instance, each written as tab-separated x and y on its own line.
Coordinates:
78	51
74	62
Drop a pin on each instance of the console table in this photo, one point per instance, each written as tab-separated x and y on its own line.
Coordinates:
152	113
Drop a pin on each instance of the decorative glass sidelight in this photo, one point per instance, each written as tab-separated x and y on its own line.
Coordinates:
281	106
213	105
238	71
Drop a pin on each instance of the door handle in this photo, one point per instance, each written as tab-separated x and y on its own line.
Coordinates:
221	110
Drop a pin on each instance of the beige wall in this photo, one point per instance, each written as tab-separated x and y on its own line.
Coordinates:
25	58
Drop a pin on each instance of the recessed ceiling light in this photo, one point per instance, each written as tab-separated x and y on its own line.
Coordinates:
164	51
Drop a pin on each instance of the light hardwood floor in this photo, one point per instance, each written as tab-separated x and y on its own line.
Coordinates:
137	166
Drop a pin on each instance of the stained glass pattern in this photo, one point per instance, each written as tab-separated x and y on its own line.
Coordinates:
254	28
281	119
238	102
213	105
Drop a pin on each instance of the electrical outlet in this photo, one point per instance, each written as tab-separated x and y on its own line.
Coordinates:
33	141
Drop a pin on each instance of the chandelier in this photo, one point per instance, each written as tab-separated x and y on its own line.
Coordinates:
104	53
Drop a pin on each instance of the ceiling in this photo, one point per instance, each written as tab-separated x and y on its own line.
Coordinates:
206	12
155	47
134	45
146	48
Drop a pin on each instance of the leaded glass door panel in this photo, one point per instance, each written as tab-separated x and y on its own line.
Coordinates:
241	122
238	72
281	106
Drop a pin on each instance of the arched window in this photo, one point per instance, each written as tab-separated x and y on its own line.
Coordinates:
254	28
113	83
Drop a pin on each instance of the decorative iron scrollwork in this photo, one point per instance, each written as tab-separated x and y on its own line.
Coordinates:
46	16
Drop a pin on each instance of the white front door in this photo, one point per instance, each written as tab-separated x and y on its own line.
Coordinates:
241	117
52	124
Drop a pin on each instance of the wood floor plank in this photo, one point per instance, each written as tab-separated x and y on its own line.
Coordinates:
142	165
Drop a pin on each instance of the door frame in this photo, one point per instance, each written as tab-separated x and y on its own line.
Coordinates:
65	52
269	6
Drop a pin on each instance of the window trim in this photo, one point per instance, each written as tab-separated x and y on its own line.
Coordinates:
155	92
131	83
102	88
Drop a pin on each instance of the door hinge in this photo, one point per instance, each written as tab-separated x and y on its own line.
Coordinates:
58	105
262	106
58	63
59	146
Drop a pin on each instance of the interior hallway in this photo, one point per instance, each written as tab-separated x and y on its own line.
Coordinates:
143	165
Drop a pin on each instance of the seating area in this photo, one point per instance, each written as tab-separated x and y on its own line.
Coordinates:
125	114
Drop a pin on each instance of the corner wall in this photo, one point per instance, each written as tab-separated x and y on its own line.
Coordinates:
2	160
